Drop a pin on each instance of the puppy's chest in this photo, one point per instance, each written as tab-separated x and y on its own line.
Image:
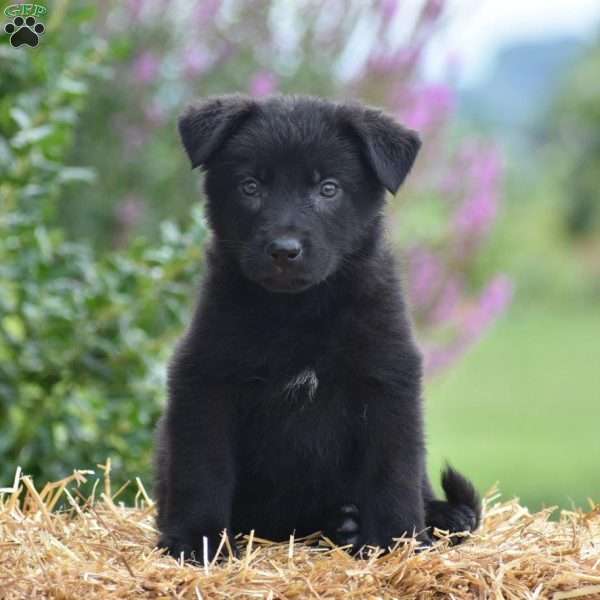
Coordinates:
298	406
294	396
298	415
298	391
296	370
302	378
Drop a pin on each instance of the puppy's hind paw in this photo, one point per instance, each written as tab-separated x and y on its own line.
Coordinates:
451	518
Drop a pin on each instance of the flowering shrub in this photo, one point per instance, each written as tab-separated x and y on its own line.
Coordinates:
453	198
450	314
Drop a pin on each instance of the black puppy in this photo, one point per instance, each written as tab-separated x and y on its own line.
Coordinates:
295	395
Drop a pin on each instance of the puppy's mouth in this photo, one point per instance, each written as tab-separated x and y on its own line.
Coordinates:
286	285
286	278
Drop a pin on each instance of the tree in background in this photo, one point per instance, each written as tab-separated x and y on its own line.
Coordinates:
577	114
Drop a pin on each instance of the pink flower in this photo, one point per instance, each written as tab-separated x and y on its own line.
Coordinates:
145	66
428	105
425	274
478	211
438	358
432	10
388	9
262	84
497	295
134	8
195	60
145	10
397	63
470	325
448	300
205	11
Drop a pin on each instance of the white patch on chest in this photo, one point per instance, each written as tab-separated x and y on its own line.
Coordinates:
302	387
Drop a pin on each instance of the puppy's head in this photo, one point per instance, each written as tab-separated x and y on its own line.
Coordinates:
294	184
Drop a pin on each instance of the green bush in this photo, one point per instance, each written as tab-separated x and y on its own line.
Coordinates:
83	344
83	339
577	118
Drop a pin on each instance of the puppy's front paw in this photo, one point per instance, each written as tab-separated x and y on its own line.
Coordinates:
193	548
343	527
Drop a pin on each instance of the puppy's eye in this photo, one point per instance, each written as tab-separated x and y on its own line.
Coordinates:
329	189
250	187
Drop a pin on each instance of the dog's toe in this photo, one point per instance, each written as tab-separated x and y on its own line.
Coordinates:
344	526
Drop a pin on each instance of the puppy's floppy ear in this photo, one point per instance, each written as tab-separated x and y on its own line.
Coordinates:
205	126
389	147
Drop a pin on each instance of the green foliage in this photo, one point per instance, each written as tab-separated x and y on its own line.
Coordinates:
578	116
41	96
83	340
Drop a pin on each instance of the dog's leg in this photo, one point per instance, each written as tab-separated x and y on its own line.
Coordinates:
197	469
389	483
392	506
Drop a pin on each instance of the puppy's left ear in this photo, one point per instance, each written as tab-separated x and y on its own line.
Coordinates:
390	148
204	127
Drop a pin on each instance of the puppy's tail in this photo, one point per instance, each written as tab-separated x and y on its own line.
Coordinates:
460	512
459	491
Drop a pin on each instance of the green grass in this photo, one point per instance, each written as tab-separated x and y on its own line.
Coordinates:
523	408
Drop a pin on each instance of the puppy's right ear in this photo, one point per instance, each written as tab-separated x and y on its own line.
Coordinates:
389	148
204	127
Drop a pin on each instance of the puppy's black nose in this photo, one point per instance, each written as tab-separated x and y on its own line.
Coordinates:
284	250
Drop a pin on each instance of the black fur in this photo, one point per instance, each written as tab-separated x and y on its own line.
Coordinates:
295	395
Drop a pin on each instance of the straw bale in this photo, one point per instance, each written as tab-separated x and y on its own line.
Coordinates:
56	543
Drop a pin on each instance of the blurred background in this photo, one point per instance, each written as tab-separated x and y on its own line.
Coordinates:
497	229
